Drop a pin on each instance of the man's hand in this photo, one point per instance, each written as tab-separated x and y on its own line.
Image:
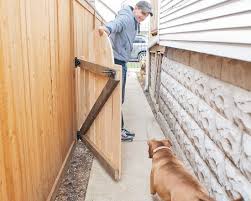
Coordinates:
103	30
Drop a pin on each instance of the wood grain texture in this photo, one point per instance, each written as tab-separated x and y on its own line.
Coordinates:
98	105
92	48
37	101
61	173
154	18
40	92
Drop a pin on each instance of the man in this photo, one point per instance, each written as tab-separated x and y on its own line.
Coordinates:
122	32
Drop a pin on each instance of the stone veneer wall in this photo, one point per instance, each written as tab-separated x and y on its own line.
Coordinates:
209	123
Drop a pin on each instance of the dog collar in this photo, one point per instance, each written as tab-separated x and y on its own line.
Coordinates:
161	147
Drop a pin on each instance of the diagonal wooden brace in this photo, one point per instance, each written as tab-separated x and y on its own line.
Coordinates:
100	102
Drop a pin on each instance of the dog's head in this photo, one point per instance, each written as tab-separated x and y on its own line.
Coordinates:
153	144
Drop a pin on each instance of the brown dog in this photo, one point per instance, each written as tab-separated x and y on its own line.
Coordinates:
169	179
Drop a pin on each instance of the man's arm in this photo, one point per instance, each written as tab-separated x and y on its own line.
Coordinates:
117	25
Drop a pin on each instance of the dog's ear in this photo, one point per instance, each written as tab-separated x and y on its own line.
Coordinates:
167	143
150	149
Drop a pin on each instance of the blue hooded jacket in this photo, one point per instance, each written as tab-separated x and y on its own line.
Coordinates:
123	30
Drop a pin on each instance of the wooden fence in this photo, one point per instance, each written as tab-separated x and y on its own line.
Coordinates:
44	98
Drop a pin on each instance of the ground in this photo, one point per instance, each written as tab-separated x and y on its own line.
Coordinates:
75	182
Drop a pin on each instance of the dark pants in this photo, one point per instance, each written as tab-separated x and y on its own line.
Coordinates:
124	72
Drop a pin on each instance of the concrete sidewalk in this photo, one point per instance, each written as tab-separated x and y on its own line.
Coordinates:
136	166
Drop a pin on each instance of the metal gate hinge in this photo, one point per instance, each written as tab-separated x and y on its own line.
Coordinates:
110	73
77	62
78	136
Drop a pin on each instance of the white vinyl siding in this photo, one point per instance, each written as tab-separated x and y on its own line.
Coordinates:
218	27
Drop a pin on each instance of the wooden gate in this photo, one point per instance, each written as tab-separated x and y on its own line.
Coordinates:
98	89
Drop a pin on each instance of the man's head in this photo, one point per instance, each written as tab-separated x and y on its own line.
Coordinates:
142	10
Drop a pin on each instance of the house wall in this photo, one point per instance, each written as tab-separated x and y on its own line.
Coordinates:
203	105
201	85
212	27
